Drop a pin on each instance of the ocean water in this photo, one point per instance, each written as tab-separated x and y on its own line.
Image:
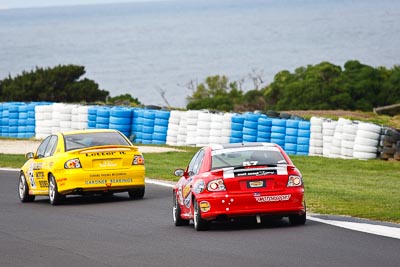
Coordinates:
142	48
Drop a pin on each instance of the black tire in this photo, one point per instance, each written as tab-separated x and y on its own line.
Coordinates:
176	213
296	219
54	196
23	190
199	223
137	193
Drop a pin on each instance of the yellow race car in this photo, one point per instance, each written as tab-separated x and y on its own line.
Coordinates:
82	162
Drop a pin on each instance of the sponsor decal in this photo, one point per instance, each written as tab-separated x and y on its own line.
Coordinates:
40	175
102	154
256	184
31	176
108	182
256	173
276	198
43	184
107	163
37	166
205	206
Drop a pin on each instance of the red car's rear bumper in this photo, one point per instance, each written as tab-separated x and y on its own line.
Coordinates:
213	205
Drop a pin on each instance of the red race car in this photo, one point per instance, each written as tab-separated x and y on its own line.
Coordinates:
223	182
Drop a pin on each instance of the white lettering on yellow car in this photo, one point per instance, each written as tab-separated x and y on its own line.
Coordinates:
31	175
272	198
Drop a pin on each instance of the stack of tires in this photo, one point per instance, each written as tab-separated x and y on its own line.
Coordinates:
303	139
30	121
173	127
5	119
237	124
148	126
192	117
328	131
250	126
102	117
336	146
226	128
160	127
65	115
390	144
348	140
121	120
316	137
278	132
291	136
203	129
43	117
264	129
181	139
79	117
216	127
366	141
92	117
137	125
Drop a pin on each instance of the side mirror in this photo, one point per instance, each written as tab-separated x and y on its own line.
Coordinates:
179	172
30	155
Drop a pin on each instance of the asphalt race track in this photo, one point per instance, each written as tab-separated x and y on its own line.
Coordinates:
96	231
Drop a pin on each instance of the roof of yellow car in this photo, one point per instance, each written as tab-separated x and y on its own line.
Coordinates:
89	131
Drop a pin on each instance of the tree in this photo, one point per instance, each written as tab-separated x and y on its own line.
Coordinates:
58	84
125	99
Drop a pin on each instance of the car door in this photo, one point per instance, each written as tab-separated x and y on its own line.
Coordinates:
192	171
42	162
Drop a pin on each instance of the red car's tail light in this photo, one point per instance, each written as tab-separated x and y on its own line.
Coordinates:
216	185
294	180
72	164
138	160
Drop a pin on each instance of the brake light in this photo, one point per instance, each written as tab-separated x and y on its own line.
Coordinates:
294	180
216	185
72	164
138	160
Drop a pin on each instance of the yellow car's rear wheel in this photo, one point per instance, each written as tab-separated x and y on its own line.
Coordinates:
137	193
23	190
55	197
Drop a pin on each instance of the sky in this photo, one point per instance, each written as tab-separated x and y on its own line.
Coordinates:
7	4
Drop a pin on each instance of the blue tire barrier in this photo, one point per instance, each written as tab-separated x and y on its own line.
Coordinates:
262	139
304	133
277	141
250	124
234	140
92	117
278	129
237	119
120	120
149	114
278	136
159	136
291	139
264	121
148	122
236	134
147	129
120	112
13	122
162	114
292	124
266	135
161	122
102	120
92	111
103	112
303	141
304	125
252	117
235	126
160	129
303	148
264	128
292	131
250	131
279	122
290	147
102	126
249	138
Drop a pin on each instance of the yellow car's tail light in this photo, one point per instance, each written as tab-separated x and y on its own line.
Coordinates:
138	160
72	164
